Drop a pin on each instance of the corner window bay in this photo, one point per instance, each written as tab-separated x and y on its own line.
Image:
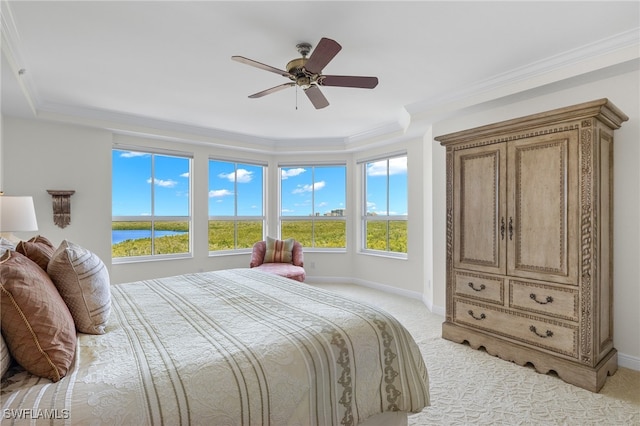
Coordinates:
150	204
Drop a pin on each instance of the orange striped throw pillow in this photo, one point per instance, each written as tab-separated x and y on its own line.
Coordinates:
279	251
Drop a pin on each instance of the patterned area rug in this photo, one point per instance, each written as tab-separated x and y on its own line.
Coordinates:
471	387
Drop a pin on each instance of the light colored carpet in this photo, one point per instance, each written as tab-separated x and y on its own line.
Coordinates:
471	387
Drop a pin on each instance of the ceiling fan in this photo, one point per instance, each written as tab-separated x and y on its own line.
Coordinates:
307	72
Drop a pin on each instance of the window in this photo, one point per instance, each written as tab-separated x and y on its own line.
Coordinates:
385	205
312	205
236	208
151	209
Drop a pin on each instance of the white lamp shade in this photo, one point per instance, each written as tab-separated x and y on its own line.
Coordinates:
17	214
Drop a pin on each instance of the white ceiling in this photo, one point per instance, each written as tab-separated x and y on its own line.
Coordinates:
167	64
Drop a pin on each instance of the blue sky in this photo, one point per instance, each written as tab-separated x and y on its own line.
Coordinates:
235	186
312	190
132	182
396	169
305	190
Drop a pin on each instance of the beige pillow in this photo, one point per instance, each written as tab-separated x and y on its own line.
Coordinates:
83	282
279	251
36	323
39	249
5	357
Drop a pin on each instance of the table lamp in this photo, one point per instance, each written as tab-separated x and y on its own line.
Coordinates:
17	214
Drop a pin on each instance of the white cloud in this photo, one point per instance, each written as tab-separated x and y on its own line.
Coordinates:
185	175
292	172
163	183
219	193
132	154
243	176
397	165
308	188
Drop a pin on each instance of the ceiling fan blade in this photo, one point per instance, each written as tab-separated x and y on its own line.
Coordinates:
316	97
272	90
260	65
348	81
322	55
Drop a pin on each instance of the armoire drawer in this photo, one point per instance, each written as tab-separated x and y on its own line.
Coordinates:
537	331
479	286
559	302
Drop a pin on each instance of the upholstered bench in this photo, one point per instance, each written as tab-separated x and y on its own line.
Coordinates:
275	257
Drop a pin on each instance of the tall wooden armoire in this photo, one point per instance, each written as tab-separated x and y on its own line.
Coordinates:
530	240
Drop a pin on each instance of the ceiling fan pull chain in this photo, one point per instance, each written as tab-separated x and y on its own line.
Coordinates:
296	97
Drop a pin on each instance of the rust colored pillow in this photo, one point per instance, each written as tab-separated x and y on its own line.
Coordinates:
36	324
39	249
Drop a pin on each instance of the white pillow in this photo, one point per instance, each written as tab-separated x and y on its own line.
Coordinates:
5	357
83	282
6	245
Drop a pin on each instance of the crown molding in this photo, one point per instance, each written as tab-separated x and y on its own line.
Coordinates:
611	51
9	40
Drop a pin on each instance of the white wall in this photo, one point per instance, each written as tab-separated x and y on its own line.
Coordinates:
38	156
623	90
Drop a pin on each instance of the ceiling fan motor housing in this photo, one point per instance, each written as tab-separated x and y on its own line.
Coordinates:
299	74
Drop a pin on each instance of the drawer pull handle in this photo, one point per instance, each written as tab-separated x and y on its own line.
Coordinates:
502	227
481	317
482	287
533	296
549	333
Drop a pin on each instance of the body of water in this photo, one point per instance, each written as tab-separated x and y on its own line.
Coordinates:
118	236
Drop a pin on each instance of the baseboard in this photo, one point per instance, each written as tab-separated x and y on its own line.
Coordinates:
628	361
438	310
370	284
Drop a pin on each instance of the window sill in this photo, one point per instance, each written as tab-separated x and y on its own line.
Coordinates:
156	258
388	255
220	253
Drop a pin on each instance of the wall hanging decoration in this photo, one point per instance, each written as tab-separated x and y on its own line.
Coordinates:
61	206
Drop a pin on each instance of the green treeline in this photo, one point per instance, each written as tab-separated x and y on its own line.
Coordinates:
222	235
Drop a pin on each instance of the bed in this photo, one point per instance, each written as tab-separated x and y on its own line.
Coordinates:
230	347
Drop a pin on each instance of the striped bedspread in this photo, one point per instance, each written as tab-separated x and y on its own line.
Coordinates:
229	347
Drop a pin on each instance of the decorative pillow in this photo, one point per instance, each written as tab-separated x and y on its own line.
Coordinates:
83	282
38	249
278	251
257	254
5	357
6	245
36	323
297	254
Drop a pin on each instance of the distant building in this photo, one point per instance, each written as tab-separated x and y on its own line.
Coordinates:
336	212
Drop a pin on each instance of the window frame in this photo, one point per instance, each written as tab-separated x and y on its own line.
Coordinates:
314	217
153	218
366	218
237	218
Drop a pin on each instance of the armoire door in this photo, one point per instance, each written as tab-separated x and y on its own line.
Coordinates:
479	208
542	222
